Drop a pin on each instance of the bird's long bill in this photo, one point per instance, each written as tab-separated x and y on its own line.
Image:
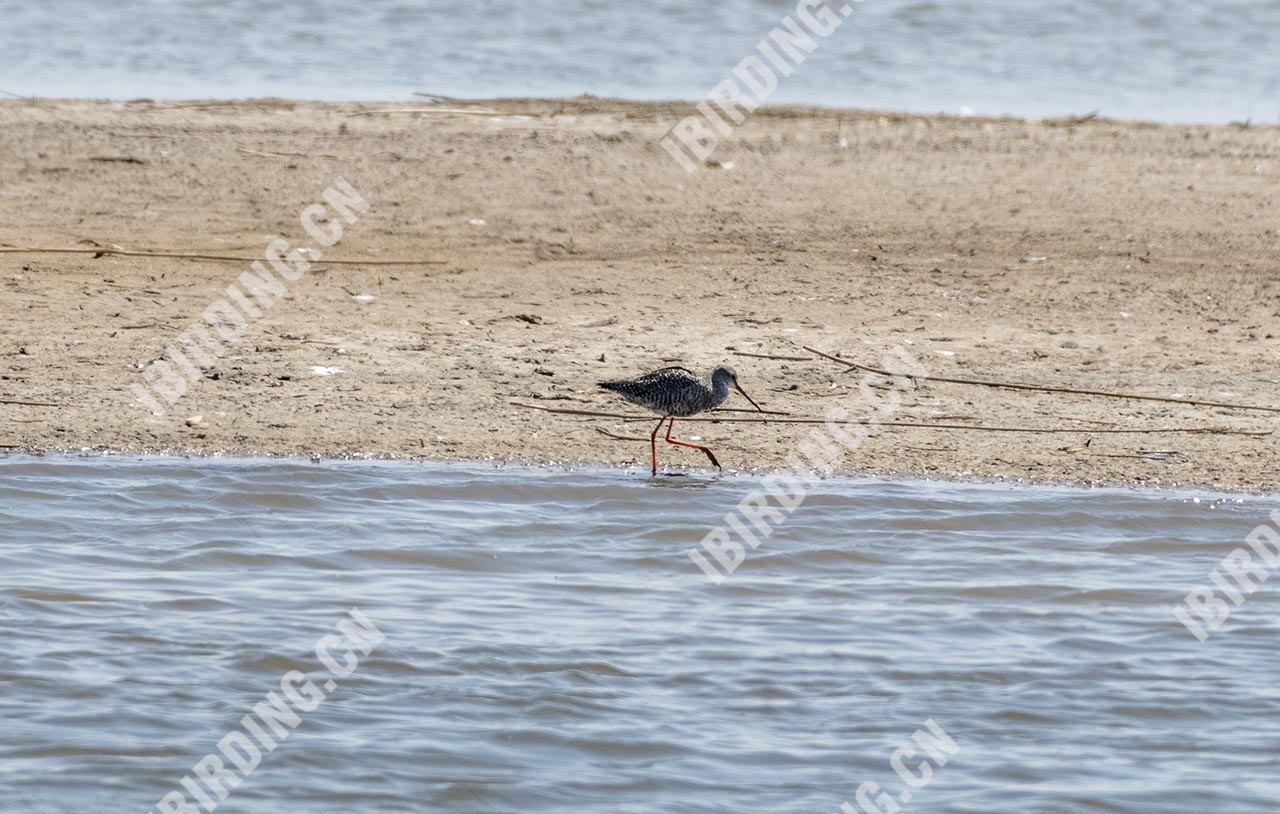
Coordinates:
748	398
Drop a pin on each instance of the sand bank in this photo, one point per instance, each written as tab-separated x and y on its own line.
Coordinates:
1099	254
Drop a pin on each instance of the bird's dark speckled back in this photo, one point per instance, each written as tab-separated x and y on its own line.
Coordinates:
673	391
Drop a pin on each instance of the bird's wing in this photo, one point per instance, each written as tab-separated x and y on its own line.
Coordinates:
674	367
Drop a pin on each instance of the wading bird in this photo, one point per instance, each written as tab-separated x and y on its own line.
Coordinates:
677	392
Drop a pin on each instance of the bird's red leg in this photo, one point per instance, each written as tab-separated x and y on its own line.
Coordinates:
671	440
653	443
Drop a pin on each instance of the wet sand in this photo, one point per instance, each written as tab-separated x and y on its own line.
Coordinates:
1101	255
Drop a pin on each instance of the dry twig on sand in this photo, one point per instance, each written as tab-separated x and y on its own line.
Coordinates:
271	154
428	110
615	437
1045	388
29	403
770	356
907	424
752	412
185	256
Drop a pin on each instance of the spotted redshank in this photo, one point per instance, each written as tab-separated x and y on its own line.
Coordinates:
677	392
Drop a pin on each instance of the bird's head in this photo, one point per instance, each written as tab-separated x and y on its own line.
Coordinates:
729	377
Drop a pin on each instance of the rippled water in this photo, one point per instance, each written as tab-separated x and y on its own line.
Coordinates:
550	647
1211	60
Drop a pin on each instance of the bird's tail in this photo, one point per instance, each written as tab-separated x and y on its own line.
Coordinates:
616	387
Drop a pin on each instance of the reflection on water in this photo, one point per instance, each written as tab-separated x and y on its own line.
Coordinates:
549	645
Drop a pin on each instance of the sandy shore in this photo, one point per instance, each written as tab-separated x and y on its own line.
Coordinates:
1102	255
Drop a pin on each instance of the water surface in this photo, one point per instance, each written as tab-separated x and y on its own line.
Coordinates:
549	647
1177	60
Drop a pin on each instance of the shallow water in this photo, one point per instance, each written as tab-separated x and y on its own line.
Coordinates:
550	647
1177	60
